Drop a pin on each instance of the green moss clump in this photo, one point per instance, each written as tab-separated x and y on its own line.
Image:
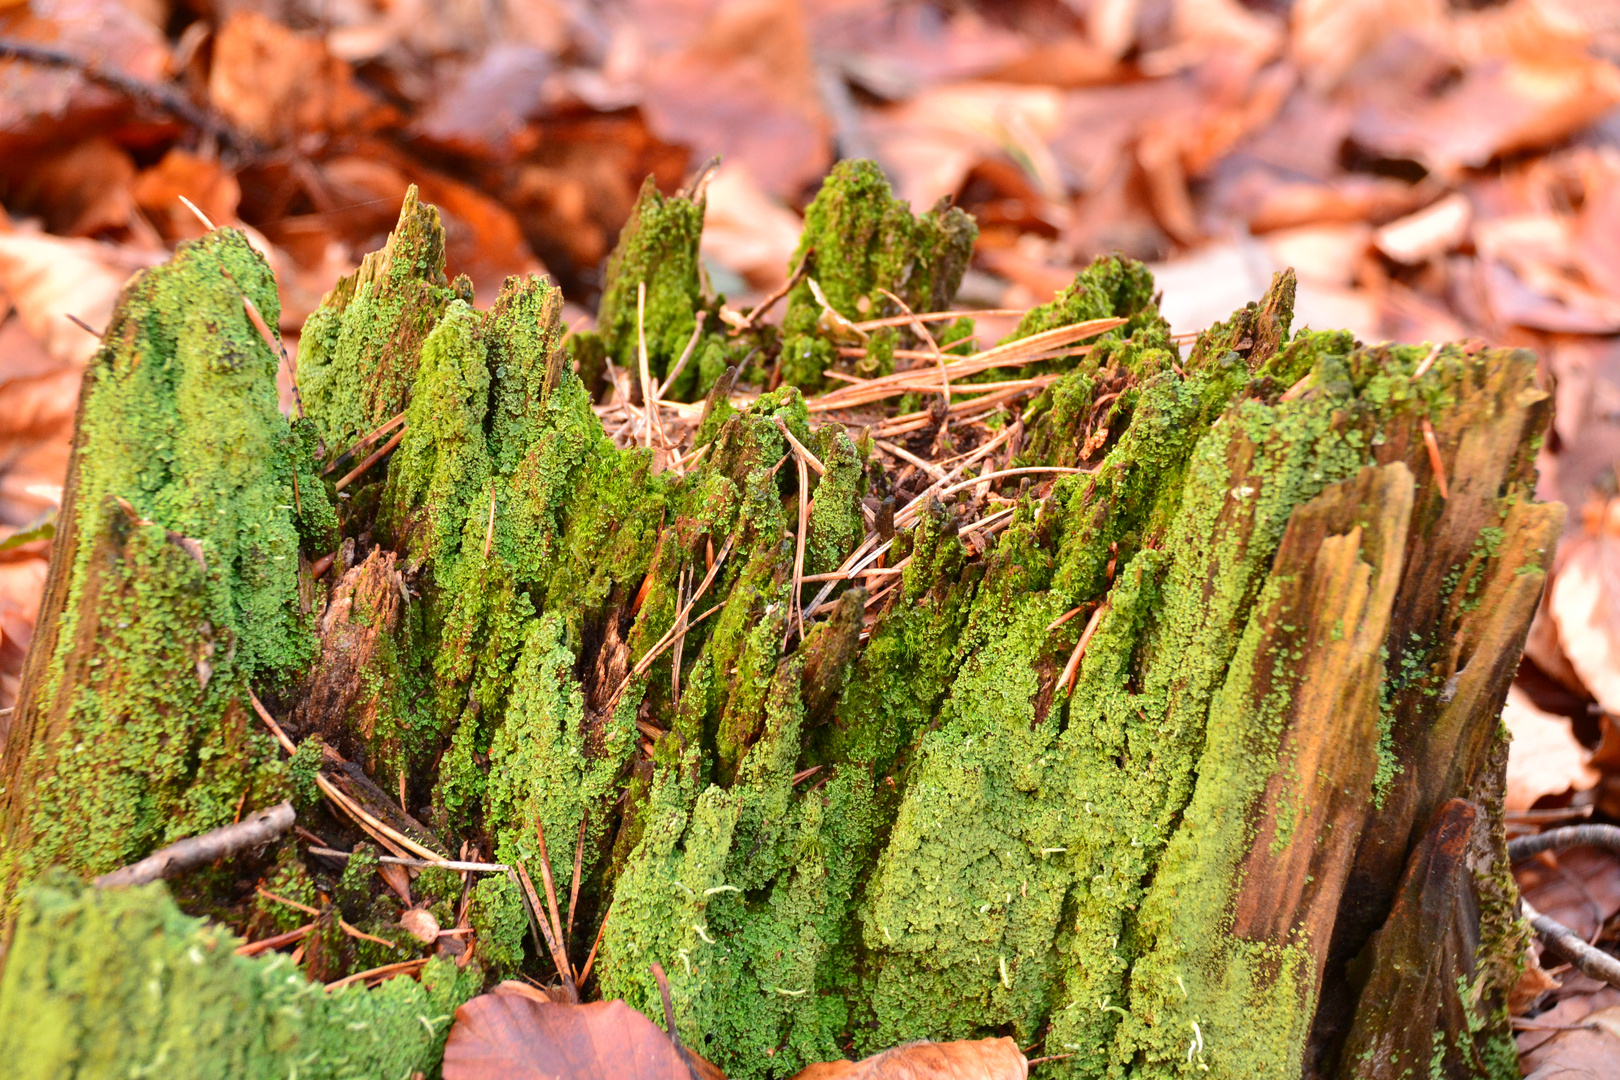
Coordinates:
859	239
119	983
657	247
359	351
181	545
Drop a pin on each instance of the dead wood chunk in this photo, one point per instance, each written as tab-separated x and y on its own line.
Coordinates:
349	687
829	652
1421	961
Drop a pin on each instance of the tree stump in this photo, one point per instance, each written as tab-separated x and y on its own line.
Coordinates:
1189	761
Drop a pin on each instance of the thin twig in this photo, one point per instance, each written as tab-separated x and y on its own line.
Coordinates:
590	960
254	948
82	325
202	217
938	316
1567	945
1598	836
939	357
165	98
686	354
361	935
669	1007
769	302
1435	461
384	972
907	456
573	888
557	957
376	456
1428	362
365	440
268	895
804	527
649	389
800	449
552	910
261	828
1071	670
420	864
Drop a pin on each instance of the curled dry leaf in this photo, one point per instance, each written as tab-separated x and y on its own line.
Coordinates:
1544	758
421	924
1583	603
982	1059
515	1033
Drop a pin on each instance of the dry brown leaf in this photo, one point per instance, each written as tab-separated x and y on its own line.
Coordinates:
484	112
49	278
79	191
1590	1052
1329	36
1497	107
1583	599
1544	757
982	1059
276	84
746	231
38	104
929	144
421	925
203	180
745	88
1432	231
516	1034
482	238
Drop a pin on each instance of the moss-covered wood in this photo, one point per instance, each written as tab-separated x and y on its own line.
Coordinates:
1302	569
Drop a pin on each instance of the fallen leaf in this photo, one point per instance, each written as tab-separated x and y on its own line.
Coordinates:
1431	231
421	925
745	88
1583	603
1590	1052
483	113
746	231
1495	108
276	84
1544	757
205	182
38	103
517	1035
930	143
982	1059
49	278
79	191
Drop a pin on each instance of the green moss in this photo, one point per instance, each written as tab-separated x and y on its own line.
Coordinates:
657	247
182	578
359	351
120	983
859	239
500	923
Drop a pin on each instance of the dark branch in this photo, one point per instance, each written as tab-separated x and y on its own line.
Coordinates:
261	828
165	98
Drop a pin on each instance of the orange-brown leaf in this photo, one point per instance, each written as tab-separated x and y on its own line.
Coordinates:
514	1034
981	1059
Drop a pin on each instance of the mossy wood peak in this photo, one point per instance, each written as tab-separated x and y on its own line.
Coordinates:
1255	831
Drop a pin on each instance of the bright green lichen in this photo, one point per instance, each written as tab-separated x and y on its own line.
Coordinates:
359	351
858	240
119	983
183	578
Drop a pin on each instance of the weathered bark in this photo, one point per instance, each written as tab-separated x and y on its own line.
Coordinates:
1142	773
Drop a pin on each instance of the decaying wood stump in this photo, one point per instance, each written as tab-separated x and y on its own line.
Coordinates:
1170	746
